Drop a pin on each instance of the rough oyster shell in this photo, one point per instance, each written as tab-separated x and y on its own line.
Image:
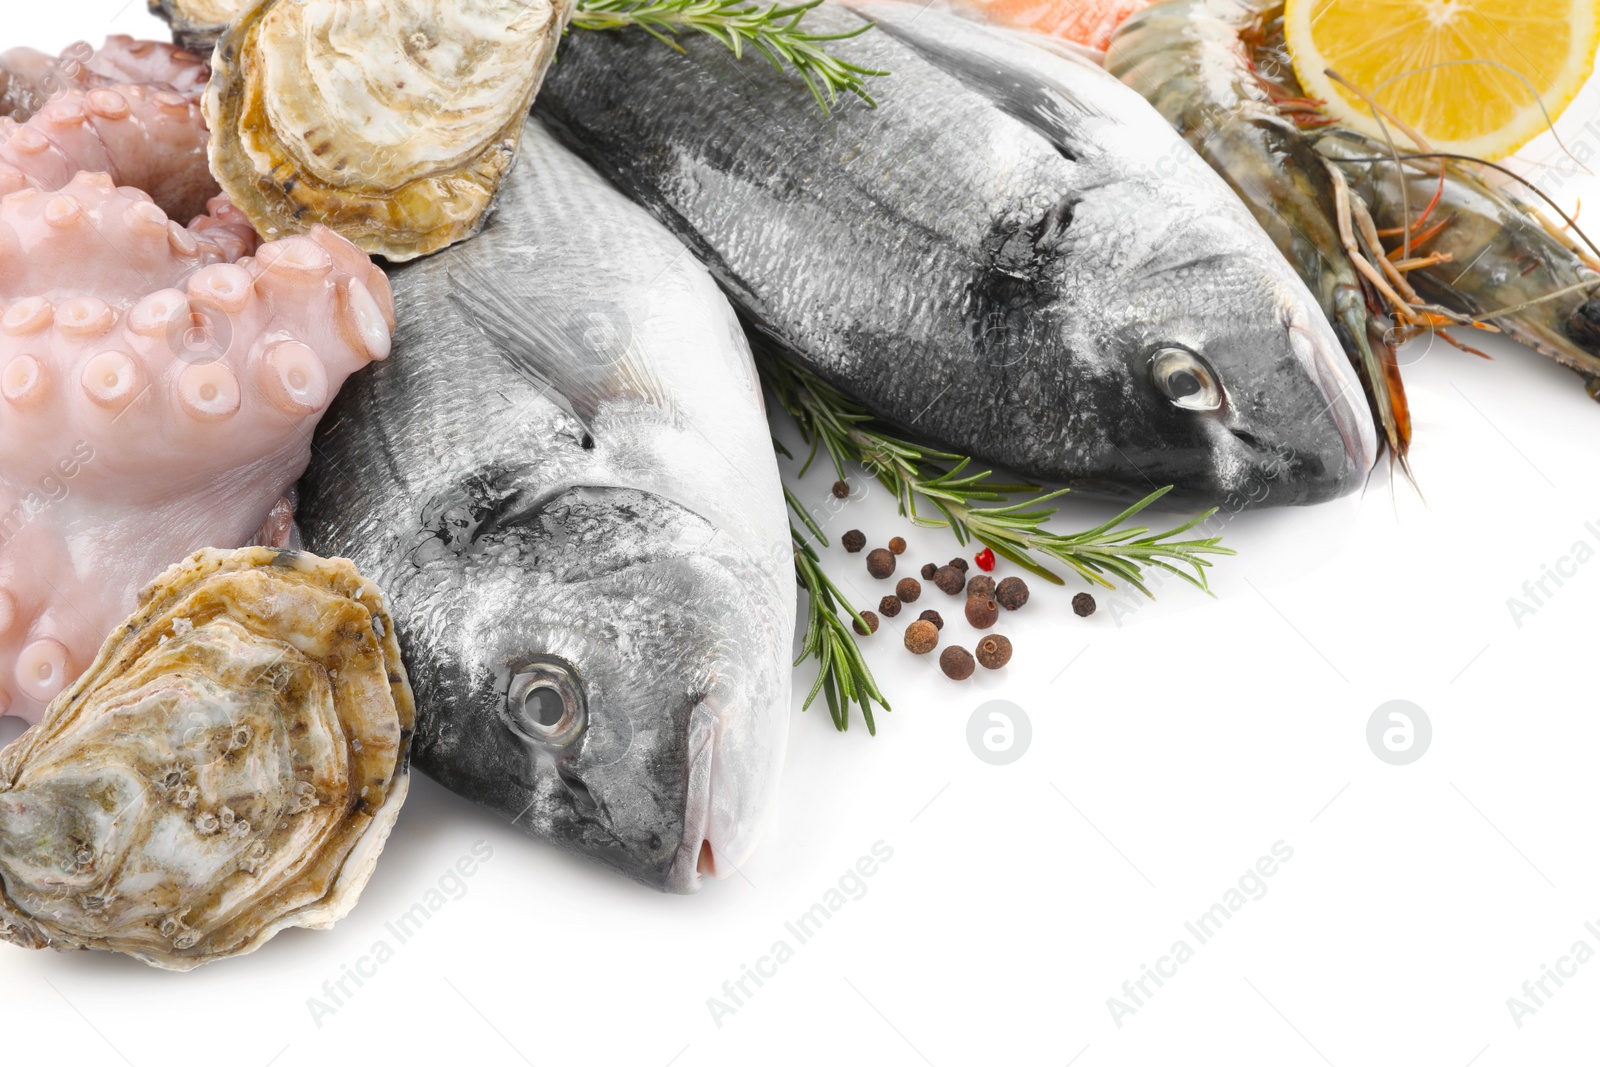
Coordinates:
229	766
391	122
196	24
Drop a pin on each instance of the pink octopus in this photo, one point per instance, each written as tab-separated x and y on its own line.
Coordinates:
159	383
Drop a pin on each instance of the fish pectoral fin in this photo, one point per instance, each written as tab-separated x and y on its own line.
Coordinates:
583	352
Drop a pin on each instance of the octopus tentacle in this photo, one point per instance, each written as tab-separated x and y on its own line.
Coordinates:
29	78
95	239
158	388
131	110
152	139
122	59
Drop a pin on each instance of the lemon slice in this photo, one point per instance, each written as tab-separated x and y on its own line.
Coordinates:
1459	72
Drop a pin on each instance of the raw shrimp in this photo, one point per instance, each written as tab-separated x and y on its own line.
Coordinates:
1486	253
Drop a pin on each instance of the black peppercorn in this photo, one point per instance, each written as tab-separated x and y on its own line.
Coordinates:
890	606
880	563
980	585
1012	593
949	580
929	570
994	652
934	617
1083	605
959	564
921	637
956	662
854	540
841	489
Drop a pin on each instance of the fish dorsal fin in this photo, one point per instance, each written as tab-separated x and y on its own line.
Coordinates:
1032	85
583	352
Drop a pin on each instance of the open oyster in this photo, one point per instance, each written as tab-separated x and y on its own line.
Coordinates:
229	765
196	24
391	122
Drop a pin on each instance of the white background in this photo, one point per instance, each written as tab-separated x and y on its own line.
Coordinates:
1172	747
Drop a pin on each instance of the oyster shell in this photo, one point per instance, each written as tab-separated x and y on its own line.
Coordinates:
391	122
229	765
196	24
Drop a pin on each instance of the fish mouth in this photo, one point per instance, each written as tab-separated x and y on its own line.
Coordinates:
697	856
1324	360
731	783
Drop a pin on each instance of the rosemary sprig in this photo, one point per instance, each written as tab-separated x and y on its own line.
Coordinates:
977	507
842	672
774	31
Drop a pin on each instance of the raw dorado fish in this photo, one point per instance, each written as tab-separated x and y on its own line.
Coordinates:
566	487
1012	256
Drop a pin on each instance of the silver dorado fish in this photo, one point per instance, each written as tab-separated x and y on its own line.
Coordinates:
564	481
1012	256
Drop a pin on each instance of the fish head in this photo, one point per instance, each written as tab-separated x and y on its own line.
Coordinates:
628	693
1230	384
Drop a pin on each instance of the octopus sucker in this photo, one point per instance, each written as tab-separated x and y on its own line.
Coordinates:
393	122
158	401
229	765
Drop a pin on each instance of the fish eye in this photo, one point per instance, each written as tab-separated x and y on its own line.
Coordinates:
544	704
1186	379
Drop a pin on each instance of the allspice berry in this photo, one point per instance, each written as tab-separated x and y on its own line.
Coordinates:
934	617
1083	605
949	580
982	612
1012	593
872	624
994	651
959	564
853	540
908	589
841	489
929	570
980	585
956	662
921	637
897	545
880	563
890	606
